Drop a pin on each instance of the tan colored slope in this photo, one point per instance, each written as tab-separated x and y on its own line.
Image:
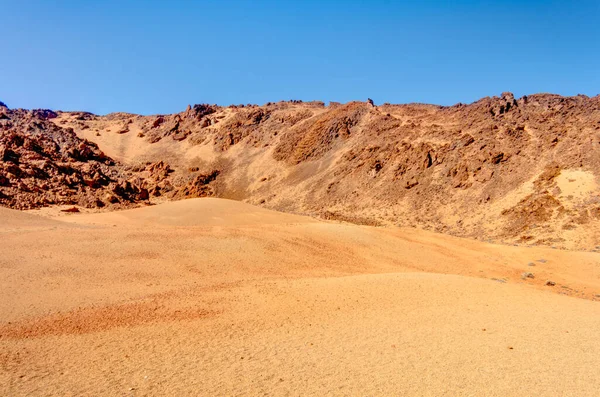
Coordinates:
501	168
11	220
193	212
203	302
129	148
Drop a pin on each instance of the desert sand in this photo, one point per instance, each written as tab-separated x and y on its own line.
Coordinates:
216	297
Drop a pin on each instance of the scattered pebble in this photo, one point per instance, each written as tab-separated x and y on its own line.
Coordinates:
531	264
542	260
527	275
550	283
499	280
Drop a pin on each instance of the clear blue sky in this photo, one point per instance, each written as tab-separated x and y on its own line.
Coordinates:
158	56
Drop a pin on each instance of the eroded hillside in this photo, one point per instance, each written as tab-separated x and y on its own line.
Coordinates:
44	164
516	170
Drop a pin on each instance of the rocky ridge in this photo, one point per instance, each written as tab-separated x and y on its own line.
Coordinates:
518	170
42	164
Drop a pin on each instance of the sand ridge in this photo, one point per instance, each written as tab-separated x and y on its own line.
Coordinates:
189	213
16	220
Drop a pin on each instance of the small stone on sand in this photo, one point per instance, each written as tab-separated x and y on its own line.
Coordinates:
527	275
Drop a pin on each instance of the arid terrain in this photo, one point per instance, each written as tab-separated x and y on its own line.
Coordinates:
302	249
519	171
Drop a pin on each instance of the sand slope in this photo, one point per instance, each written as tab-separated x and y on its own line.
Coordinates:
214	297
11	220
194	212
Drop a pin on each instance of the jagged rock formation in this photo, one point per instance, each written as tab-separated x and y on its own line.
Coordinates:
516	170
42	164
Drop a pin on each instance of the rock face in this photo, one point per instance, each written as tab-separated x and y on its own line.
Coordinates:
516	170
42	164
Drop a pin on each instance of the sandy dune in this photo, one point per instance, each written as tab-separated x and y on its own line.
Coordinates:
16	220
186	213
215	297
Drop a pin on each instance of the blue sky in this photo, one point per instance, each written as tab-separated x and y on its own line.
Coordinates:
158	56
